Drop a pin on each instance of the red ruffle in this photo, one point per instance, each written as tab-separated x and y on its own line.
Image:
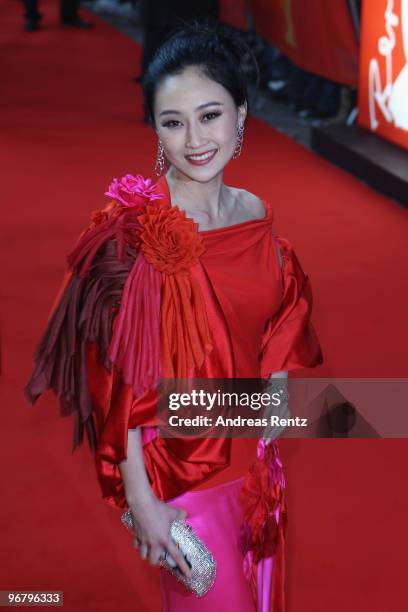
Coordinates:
264	524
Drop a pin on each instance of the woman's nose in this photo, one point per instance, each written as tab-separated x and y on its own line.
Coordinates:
193	136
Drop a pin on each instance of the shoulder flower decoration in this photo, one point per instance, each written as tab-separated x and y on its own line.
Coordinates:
169	240
160	288
133	190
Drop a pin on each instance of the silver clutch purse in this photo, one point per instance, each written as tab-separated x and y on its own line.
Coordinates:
200	560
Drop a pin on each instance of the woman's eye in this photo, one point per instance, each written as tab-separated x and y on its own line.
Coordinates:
207	117
170	123
211	115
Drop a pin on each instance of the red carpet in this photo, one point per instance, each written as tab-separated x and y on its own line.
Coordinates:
70	122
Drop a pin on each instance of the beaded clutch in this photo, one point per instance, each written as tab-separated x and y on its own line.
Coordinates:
200	560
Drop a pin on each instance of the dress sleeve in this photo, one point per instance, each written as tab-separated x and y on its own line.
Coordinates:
83	313
72	358
115	410
115	407
289	341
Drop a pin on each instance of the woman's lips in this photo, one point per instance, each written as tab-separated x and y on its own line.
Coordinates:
207	157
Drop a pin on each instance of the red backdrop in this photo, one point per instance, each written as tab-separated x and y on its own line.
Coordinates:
317	35
383	88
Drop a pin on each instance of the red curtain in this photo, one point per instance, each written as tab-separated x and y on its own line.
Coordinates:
317	35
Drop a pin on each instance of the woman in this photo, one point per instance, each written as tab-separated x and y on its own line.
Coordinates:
179	279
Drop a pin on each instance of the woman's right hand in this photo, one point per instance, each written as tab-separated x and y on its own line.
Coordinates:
152	520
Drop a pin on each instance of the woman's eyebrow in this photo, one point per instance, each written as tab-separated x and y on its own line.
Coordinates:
176	112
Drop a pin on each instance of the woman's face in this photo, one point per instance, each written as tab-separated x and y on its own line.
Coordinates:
196	120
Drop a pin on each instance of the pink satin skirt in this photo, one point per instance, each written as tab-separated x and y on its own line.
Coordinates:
215	515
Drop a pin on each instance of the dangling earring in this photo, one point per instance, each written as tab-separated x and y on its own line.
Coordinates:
240	139
159	166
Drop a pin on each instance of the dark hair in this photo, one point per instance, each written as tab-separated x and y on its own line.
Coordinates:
216	49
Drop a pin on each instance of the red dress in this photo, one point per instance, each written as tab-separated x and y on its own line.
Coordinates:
225	307
263	324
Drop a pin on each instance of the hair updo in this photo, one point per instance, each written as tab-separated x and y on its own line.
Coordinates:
215	49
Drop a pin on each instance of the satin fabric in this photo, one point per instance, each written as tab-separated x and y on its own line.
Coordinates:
259	317
215	516
224	309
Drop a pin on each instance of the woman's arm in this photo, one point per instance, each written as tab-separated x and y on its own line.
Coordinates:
133	472
152	517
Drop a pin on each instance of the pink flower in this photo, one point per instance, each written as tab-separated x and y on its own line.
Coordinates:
133	190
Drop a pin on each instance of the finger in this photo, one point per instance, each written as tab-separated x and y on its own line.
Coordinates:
178	557
156	552
136	542
143	551
181	513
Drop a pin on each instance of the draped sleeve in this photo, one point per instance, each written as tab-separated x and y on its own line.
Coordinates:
128	313
289	340
83	312
73	357
116	410
102	308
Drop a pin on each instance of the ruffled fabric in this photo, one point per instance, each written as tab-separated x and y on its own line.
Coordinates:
137	303
110	223
121	322
84	313
173	465
171	245
86	306
289	340
170	241
135	345
262	535
185	331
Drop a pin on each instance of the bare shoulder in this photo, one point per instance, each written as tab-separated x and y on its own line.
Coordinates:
251	204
